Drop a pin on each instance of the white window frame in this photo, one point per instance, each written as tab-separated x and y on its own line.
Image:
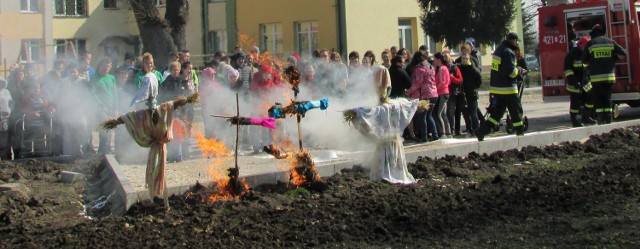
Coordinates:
431	44
309	34
30	44
30	7
64	9
274	33
402	29
217	38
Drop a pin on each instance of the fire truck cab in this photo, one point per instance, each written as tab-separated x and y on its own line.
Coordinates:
563	22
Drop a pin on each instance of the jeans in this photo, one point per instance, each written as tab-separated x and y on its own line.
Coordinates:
425	123
442	123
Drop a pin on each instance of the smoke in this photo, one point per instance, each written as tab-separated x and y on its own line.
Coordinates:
321	129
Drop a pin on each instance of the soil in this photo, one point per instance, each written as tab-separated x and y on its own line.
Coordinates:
569	195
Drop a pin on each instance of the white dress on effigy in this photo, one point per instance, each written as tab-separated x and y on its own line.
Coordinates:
385	123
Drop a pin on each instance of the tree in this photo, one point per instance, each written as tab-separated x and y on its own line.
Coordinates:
156	36
453	21
530	30
177	15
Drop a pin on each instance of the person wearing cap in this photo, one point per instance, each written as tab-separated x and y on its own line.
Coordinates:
578	85
600	55
504	88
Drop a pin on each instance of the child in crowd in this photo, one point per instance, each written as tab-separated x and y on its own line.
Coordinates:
6	102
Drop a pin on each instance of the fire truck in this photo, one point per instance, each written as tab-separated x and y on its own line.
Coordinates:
561	23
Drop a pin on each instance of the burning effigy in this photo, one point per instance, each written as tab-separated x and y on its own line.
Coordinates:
233	187
152	128
303	171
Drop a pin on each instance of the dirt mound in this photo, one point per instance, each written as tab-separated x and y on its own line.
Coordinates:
565	195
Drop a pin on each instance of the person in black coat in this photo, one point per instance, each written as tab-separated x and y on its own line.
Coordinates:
471	81
400	80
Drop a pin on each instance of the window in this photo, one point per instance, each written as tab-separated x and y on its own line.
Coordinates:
405	34
160	3
217	41
65	48
70	7
431	44
110	4
31	50
306	37
271	38
28	5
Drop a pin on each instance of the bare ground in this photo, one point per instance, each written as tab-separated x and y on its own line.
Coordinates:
570	195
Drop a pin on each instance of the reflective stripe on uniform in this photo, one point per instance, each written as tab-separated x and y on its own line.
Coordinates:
514	73
587	87
588	106
504	90
601	110
568	73
607	77
574	111
578	64
572	89
495	122
516	124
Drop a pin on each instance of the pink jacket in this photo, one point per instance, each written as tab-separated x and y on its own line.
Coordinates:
443	79
423	83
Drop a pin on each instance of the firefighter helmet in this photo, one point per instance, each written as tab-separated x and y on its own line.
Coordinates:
583	41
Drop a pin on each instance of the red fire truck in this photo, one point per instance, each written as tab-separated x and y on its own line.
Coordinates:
563	22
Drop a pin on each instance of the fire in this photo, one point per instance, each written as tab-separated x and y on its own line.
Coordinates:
301	167
230	187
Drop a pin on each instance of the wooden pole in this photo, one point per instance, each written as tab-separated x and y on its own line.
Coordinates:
237	128
295	99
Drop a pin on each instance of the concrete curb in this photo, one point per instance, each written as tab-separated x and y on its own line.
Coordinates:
127	195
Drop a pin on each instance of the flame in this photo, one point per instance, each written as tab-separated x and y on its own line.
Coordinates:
221	155
179	131
303	170
301	167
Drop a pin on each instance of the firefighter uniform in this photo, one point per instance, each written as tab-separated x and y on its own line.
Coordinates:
600	56
578	86
504	71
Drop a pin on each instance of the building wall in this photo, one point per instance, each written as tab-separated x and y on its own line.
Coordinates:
16	26
101	26
373	24
252	13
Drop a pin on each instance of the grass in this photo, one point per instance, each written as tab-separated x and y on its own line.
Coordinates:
298	192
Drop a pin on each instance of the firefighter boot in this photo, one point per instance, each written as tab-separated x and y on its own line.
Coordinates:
586	117
574	120
519	130
600	118
607	117
483	130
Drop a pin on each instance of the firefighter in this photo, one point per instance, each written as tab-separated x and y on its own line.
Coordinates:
600	55
578	85
504	88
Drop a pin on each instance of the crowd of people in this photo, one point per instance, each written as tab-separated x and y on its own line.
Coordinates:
74	95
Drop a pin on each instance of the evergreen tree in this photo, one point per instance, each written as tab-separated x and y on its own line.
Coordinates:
487	21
